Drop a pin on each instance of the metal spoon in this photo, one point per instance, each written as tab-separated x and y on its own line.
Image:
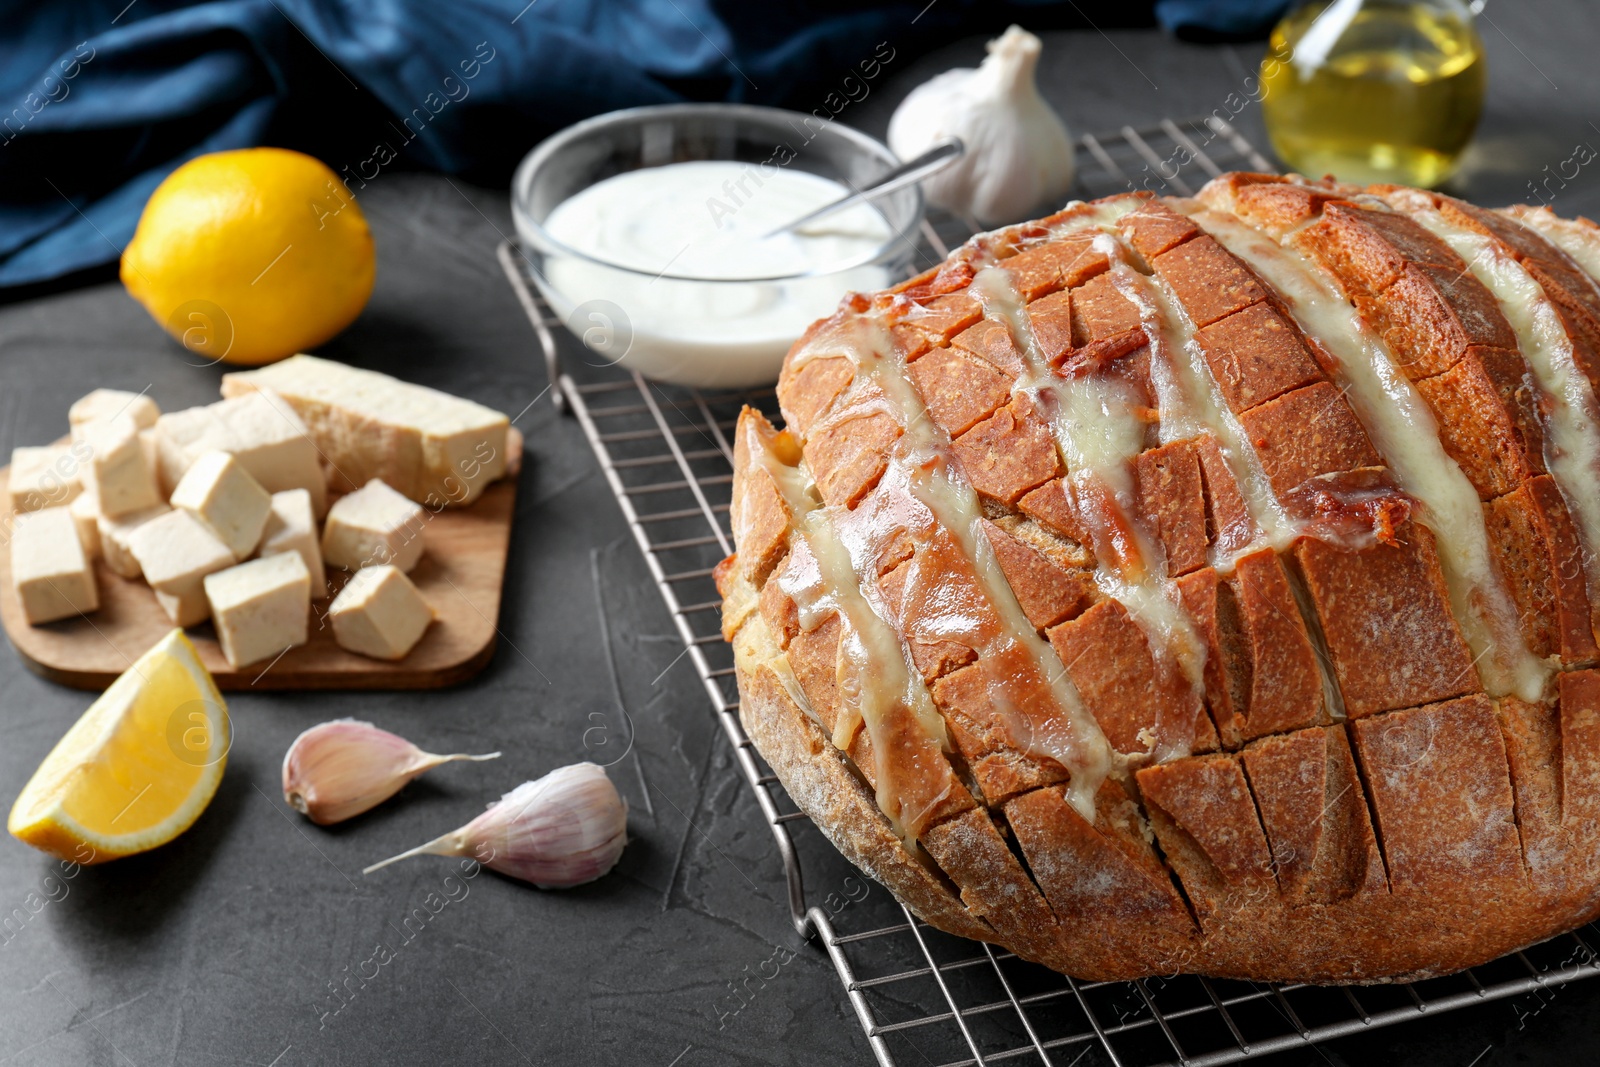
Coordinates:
930	162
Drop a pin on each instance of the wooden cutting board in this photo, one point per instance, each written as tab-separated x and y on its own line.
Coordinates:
461	574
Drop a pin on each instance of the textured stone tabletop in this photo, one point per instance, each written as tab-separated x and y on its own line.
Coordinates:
249	940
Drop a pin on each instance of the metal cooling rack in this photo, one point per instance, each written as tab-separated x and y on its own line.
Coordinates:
922	995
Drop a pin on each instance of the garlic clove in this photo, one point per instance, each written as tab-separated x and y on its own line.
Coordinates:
1019	153
565	829
339	769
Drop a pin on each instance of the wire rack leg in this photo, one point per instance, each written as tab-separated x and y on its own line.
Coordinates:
533	307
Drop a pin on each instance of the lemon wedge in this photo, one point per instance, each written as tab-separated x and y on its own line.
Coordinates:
137	769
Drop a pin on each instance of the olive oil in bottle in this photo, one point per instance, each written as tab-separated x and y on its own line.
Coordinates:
1374	90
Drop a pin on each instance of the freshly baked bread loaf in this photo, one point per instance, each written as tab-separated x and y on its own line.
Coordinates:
1198	585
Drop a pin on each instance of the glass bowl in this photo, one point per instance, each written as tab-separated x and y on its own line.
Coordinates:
691	330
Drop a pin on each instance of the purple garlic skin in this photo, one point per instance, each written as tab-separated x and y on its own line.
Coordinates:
565	829
339	769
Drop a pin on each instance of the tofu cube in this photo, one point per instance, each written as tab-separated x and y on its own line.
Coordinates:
260	608
48	567
103	405
183	437
85	512
372	526
175	552
46	477
274	445
219	492
263	431
379	613
292	527
121	473
116	539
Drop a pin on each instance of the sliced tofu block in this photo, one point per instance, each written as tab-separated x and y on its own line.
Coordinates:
260	428
175	552
292	527
183	437
379	613
86	518
372	526
219	492
260	608
152	455
48	567
46	477
119	467
102	405
116	539
430	446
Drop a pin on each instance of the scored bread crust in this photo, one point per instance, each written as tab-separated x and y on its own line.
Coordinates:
1314	777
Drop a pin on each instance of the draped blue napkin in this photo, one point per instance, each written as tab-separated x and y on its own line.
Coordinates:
102	99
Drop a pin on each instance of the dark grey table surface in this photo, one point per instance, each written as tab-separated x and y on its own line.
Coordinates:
225	946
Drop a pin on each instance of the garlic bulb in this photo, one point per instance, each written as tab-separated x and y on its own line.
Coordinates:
342	768
1019	155
565	829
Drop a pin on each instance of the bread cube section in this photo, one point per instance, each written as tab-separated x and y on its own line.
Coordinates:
175	553
116	539
120	470
222	495
292	527
379	613
48	568
103	405
373	526
45	477
260	608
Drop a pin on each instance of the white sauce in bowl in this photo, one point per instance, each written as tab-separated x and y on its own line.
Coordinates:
689	237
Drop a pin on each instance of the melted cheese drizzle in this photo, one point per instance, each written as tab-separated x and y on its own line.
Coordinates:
1199	407
1072	738
1572	451
1405	434
1576	239
1100	431
1204	409
758	642
874	675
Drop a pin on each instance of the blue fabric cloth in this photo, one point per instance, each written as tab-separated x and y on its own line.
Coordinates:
101	99
1220	20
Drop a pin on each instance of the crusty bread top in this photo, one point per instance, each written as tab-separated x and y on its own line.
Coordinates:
1258	530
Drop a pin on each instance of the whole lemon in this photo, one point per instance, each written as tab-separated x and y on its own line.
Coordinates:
252	255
